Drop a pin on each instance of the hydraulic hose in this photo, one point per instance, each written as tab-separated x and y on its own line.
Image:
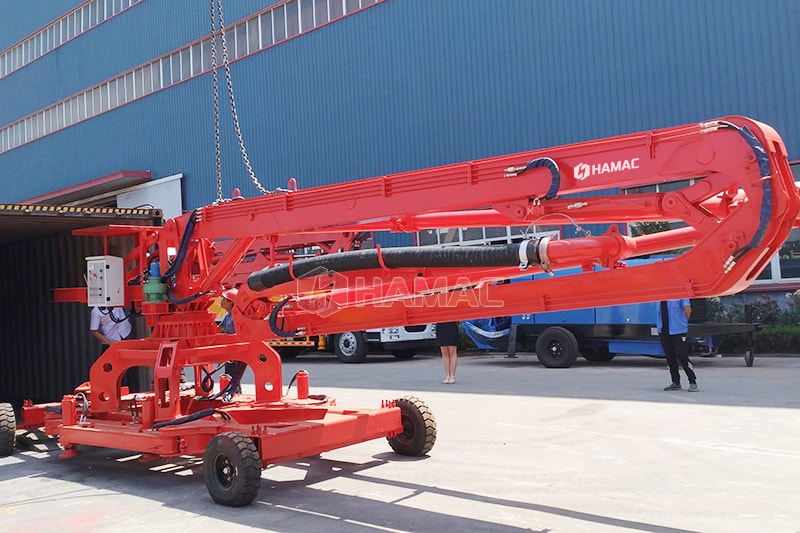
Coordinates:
765	171
183	247
185	419
541	162
526	252
765	214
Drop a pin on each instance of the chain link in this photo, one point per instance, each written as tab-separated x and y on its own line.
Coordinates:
216	102
217	13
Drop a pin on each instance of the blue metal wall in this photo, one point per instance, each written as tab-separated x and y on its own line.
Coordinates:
405	84
20	19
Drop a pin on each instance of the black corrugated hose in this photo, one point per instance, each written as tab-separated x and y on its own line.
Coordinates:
404	257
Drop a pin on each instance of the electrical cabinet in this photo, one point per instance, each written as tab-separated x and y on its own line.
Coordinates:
105	281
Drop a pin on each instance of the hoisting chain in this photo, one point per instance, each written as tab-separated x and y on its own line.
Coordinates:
216	12
216	102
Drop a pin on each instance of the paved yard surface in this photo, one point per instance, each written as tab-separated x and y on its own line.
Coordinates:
595	448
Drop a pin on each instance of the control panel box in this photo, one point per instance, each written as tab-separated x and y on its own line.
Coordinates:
106	281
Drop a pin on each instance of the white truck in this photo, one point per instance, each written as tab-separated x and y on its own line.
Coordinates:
403	342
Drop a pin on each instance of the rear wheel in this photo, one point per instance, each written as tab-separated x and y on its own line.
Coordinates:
8	429
404	355
748	357
557	347
419	428
289	352
350	347
597	354
232	469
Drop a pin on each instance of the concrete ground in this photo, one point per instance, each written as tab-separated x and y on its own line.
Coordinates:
593	448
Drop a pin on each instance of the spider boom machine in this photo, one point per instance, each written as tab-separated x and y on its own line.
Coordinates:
739	208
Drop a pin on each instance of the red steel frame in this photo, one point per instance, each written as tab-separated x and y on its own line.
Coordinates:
724	214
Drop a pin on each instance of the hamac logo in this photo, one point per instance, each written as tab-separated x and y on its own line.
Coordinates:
321	291
582	171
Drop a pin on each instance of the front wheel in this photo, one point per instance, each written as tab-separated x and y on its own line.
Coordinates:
232	469
8	429
404	355
748	357
557	347
419	428
351	347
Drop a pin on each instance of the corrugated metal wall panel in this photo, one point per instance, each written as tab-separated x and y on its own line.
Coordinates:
139	34
20	19
387	239
47	349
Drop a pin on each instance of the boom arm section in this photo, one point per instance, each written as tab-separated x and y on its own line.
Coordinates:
736	212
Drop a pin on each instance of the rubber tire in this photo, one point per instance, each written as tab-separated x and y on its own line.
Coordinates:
597	355
404	355
8	429
289	352
232	469
557	347
351	347
419	428
748	357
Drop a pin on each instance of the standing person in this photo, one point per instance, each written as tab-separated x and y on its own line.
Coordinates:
232	368
447	341
673	326
226	302
109	325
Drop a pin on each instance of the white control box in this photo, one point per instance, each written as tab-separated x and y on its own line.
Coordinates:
106	281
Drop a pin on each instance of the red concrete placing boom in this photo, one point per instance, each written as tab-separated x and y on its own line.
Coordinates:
737	212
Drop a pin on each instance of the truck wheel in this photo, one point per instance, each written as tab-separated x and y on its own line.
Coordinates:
557	347
8	429
404	355
350	347
748	357
289	352
419	428
232	469
598	354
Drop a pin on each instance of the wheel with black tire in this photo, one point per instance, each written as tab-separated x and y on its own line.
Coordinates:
289	352
748	357
419	428
597	354
557	347
404	355
8	429
232	468
350	347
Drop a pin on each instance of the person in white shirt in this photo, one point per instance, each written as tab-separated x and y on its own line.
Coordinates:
109	325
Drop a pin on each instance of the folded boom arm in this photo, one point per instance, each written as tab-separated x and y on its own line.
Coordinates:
739	208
